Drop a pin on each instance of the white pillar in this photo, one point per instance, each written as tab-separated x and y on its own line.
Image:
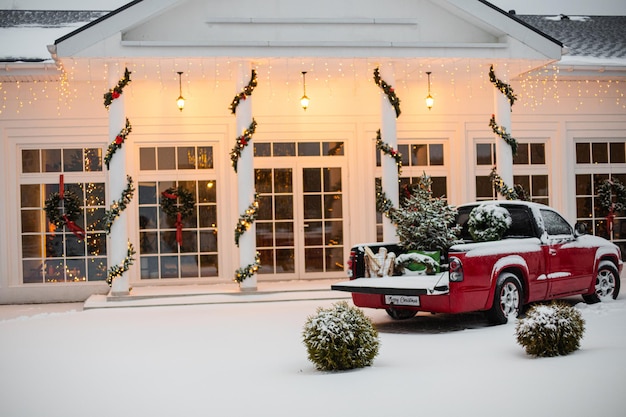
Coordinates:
504	154
389	180
118	238
245	180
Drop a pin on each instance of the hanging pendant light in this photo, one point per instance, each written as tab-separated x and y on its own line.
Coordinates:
429	99
180	101
304	101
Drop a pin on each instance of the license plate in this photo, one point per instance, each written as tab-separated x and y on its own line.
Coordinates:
402	300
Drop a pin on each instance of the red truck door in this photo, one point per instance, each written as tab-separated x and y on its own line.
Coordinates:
569	265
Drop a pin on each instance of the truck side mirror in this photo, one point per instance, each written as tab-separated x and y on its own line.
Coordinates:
580	229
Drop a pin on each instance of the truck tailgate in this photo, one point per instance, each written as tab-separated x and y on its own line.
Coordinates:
397	285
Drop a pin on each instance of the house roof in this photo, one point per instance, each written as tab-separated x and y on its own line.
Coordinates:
601	37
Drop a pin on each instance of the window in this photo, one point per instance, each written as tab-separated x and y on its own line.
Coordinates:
555	224
50	254
160	254
317	148
596	161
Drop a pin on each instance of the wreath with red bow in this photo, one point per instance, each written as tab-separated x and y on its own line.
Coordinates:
63	209
178	203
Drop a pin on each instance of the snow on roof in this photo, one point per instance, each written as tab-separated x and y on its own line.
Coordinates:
25	34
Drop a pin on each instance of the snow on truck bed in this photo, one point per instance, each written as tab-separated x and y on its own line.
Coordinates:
397	285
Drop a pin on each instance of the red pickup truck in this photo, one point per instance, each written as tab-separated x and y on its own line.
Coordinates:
540	257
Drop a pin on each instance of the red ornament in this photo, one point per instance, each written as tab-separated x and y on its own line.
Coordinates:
119	140
115	94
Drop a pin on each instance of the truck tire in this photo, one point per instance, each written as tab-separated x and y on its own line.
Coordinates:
400	314
607	284
507	299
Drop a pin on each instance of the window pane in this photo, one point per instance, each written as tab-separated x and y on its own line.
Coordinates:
205	157
583	184
263	180
311	180
72	160
51	160
436	154
333	206
405	154
29	195
483	154
618	153
208	266
207	192
31	221
285	261
32	246
284	207
521	158
540	185
32	272
262	149
30	161
484	188
283	180
309	149
332	179
208	241
147	193
312	207
599	153
93	159
266	208
166	158
284	149
439	187
332	148
284	234
147	159
583	152
537	153
264	234
419	155
186	157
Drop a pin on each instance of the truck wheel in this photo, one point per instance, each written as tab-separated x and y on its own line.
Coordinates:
400	314
507	300
607	284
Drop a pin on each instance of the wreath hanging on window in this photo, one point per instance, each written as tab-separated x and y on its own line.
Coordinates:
63	209
178	203
612	195
488	222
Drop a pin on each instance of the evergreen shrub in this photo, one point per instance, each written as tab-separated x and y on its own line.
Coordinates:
340	337
550	330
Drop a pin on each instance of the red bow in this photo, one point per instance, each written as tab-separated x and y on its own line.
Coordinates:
609	220
179	229
74	228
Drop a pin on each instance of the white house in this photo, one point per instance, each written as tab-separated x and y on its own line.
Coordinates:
305	178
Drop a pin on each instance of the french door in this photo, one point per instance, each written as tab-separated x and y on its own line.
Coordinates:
300	228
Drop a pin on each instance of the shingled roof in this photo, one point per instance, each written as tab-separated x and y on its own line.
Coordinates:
585	36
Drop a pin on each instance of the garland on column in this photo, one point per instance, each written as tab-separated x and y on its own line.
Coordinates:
119	206
383	204
388	150
116	92
242	142
117	143
515	193
118	270
388	90
247	91
246	219
243	273
501	131
504	88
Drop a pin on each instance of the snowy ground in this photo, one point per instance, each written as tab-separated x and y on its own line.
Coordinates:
248	360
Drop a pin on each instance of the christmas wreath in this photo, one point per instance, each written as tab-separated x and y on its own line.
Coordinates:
488	222
612	195
63	209
178	203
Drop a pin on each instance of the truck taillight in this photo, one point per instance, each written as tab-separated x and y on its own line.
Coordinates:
351	264
456	270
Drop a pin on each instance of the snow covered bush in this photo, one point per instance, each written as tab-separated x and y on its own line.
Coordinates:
550	330
425	223
340	337
488	222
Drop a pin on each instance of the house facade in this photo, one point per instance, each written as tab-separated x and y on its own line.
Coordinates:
276	191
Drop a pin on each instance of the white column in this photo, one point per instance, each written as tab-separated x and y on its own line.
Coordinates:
388	133
504	154
245	180
118	238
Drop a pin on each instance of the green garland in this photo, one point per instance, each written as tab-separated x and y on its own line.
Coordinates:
115	92
388	150
501	131
502	86
117	143
383	204
246	272
247	91
119	206
71	208
169	199
118	270
388	90
612	195
246	219
500	187
242	142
